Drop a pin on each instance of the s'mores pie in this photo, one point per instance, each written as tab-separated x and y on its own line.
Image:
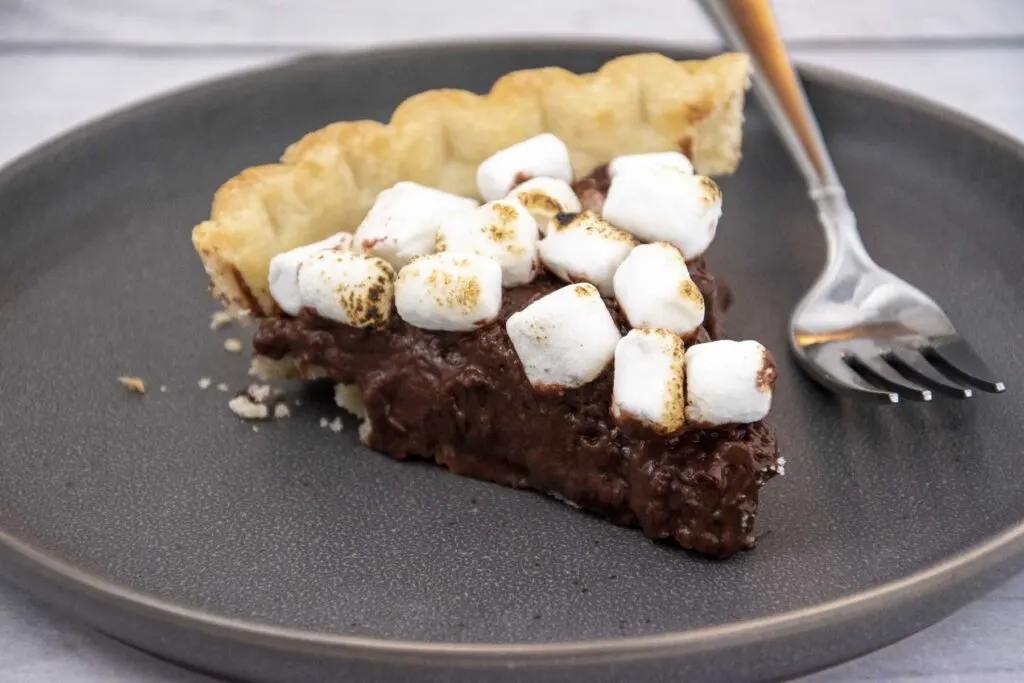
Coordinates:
513	285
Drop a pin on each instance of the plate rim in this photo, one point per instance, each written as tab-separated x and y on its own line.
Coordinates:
998	552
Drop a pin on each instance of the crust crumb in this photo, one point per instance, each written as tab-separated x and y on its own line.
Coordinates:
232	345
204	383
133	384
222	387
259	392
335	425
247	409
349	397
221	319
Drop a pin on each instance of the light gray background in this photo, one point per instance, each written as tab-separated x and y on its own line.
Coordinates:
63	62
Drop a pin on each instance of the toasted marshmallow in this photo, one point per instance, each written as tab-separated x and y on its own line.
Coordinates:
654	290
542	155
634	162
503	230
402	223
649	371
585	248
454	292
349	287
728	382
663	204
284	270
545	198
565	339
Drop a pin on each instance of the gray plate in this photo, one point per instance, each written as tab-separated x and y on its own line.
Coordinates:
294	554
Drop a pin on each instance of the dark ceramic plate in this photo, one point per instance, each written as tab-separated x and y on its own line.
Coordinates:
293	554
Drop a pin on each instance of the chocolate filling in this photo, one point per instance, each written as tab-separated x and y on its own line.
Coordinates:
463	400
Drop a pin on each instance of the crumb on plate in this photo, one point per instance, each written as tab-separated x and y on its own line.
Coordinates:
259	392
134	384
219	319
244	407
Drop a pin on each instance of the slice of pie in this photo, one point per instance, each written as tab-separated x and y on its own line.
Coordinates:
514	286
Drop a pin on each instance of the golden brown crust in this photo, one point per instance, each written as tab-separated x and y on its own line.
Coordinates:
327	181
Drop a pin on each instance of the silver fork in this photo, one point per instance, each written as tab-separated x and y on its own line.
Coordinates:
860	329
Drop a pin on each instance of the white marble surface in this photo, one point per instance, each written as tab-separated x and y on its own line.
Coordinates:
66	61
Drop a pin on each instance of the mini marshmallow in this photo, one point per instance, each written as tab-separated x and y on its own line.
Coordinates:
503	230
565	339
402	223
663	204
633	162
545	198
349	287
585	248
454	292
542	155
654	289
284	270
728	382
649	371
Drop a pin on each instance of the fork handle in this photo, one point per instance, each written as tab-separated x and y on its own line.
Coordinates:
750	26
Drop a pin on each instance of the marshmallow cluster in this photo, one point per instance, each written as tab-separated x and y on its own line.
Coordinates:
542	155
453	292
649	372
402	223
564	339
585	248
658	202
728	382
545	198
667	389
567	338
654	290
348	287
503	230
284	270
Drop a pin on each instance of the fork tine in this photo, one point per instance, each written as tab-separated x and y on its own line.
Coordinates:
956	358
909	362
878	372
839	377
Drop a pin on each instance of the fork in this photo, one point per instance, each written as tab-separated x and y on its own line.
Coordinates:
860	329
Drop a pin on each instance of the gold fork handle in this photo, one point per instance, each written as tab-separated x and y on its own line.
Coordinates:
750	26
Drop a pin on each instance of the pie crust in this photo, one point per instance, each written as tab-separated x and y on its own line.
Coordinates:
327	181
